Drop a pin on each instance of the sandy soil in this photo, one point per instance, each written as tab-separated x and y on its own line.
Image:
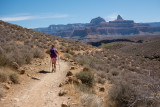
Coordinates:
38	93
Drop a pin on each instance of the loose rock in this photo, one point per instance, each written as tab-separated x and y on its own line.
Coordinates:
62	92
72	68
69	73
64	105
7	86
102	89
21	71
85	69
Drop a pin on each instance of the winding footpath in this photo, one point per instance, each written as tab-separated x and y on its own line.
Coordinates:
39	93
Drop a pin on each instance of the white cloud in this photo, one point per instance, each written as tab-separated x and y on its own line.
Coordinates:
43	16
16	18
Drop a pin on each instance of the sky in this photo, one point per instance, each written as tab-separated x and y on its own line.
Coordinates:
42	13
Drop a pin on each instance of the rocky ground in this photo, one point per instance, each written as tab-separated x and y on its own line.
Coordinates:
39	88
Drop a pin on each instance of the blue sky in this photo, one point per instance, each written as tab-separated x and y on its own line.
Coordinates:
42	13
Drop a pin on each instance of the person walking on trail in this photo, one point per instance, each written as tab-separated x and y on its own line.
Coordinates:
53	54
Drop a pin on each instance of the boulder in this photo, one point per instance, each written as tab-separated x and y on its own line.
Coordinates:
62	92
63	83
60	85
69	73
102	89
71	61
7	86
21	71
65	105
29	75
72	68
85	69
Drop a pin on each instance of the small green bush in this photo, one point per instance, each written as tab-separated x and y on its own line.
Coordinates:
14	78
106	46
71	52
3	76
86	77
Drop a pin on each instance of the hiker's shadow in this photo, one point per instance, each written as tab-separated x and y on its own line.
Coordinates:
44	72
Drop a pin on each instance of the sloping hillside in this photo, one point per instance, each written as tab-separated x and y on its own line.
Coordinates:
23	60
88	76
27	43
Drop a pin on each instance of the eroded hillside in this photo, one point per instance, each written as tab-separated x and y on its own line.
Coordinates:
105	76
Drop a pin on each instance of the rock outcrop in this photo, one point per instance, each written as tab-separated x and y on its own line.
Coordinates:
119	17
97	20
99	28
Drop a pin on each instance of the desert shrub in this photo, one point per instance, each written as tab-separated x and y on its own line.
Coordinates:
125	94
71	52
101	74
3	60
28	57
87	77
121	94
3	76
114	73
38	53
48	51
101	80
1	51
84	88
15	56
9	75
83	60
1	92
12	52
14	78
91	100
133	90
67	50
66	55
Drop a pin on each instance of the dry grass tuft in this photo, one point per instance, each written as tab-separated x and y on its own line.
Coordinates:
90	100
133	90
1	92
38	53
14	78
3	77
9	75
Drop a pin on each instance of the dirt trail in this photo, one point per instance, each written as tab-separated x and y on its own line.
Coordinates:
39	93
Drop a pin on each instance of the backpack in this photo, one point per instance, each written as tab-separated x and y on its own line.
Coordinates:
53	52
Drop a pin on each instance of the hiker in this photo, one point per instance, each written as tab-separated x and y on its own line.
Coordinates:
53	55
